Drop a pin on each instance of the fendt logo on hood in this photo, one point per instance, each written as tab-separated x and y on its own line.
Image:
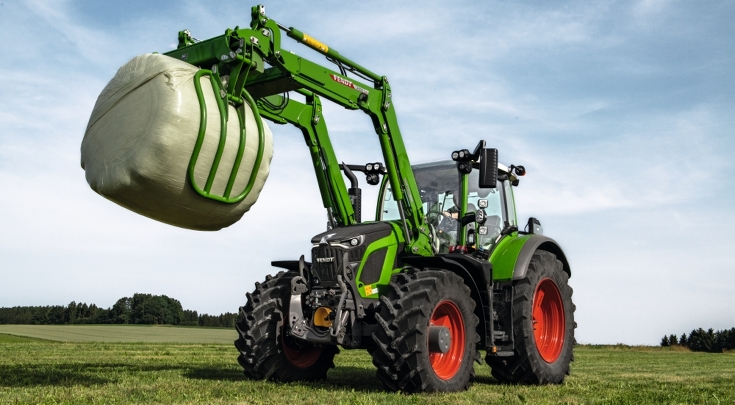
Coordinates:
325	259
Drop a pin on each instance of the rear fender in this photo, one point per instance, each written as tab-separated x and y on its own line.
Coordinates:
534	243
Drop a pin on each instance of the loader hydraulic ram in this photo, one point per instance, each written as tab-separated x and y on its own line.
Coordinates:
441	273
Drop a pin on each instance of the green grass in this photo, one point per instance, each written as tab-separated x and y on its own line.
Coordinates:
42	372
17	339
123	333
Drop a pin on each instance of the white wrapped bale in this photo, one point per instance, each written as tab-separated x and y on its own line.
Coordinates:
140	139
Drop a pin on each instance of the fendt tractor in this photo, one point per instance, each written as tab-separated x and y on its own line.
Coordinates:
442	273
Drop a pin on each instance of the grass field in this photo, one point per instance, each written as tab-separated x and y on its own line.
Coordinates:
123	333
35	371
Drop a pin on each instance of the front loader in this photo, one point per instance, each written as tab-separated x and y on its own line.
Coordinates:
443	271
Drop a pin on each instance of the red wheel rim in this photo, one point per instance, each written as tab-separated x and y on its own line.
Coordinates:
548	320
301	357
446	365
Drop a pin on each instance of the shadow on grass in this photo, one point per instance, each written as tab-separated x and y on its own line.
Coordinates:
486	380
341	378
354	378
6	338
89	374
84	374
210	373
57	375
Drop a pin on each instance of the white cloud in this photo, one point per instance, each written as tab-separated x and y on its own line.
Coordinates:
93	45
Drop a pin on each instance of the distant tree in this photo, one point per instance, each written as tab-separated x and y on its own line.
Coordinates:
39	315
226	320
23	316
155	309
122	311
93	314
101	315
700	340
665	341
229	319
726	339
189	318
55	315
141	308
71	312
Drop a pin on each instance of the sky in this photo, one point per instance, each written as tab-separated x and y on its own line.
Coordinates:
622	113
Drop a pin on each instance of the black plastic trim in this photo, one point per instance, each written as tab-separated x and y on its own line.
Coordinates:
292	265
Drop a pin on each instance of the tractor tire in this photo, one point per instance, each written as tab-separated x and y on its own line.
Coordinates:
409	305
265	351
543	326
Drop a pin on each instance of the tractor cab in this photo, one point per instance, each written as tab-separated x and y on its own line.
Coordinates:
440	184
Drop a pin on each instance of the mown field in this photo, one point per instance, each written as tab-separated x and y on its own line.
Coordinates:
123	333
36	371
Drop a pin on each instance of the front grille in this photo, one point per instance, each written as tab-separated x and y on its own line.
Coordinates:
327	271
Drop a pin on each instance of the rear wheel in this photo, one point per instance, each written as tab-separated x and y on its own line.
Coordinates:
265	351
543	326
426	334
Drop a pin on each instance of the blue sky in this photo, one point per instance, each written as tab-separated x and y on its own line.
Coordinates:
622	112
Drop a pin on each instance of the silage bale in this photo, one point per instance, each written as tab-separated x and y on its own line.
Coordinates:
140	137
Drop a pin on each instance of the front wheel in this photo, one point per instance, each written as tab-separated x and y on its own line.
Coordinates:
426	334
543	326
265	351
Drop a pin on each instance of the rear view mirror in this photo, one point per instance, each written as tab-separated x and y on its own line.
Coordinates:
488	168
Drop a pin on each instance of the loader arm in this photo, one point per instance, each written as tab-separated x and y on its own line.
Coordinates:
254	66
308	118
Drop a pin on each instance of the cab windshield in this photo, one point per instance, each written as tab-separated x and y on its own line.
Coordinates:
439	185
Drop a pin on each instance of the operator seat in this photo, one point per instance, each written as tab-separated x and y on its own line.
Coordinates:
494	226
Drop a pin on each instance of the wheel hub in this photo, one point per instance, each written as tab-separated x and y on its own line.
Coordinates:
446	316
440	339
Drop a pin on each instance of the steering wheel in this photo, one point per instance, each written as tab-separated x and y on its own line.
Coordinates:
447	224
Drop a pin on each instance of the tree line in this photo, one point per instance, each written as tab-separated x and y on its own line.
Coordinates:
139	309
700	340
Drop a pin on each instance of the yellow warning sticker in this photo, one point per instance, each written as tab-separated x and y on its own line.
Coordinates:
368	290
316	44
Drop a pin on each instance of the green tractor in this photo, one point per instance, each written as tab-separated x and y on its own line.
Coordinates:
442	273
